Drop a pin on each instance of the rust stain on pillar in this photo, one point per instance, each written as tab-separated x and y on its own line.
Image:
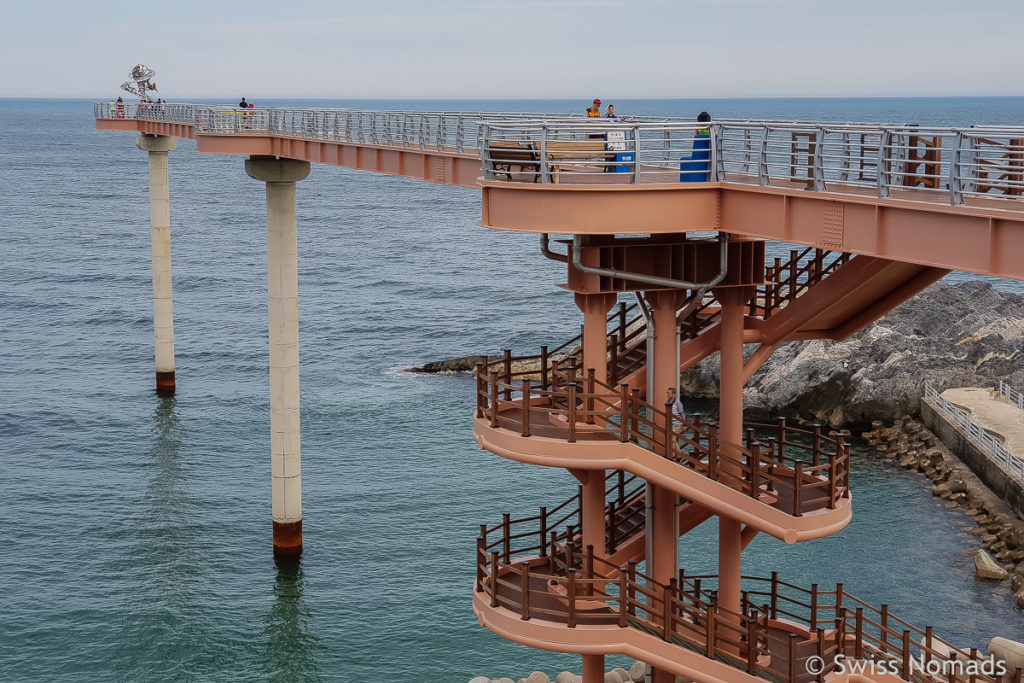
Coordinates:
288	538
165	383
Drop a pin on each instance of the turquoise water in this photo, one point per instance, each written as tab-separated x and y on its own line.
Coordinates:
140	528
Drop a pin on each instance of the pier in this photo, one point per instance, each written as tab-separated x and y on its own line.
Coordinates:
675	215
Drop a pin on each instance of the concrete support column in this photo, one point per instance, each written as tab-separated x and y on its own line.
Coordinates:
160	243
592	506
730	435
595	309
593	668
280	176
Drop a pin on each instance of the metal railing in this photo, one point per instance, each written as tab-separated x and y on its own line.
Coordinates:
989	444
884	158
1011	395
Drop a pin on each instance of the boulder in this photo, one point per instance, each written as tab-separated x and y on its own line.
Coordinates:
1010	652
480	679
986	567
568	677
622	674
538	677
636	672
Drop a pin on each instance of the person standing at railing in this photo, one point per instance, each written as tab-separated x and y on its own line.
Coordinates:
696	168
673	404
113	108
243	104
120	108
610	114
594	112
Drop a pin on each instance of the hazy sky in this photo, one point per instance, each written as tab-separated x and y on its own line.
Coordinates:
515	48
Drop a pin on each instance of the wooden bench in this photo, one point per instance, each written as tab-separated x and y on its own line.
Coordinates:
504	154
573	153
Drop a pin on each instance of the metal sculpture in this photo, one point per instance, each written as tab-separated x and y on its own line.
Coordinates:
140	84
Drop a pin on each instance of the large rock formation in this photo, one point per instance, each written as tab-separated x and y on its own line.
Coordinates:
967	334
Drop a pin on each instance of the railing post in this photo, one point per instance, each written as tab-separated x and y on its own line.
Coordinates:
755	469
623	598
570	576
775	596
634	411
544	386
544	533
480	384
839	601
782	439
792	282
612	540
712	628
621	486
798	482
481	555
506	541
669	434
814	606
508	374
613	362
751	645
713	451
525	603
820	633
624	417
588	568
526	407
589	406
667	598
631	587
792	657
884	628
494	398
494	578
927	644
906	655
621	337
572	411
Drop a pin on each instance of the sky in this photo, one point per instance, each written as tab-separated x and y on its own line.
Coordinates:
510	49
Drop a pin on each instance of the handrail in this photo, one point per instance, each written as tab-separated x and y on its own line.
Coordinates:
572	588
958	162
985	441
573	397
1011	395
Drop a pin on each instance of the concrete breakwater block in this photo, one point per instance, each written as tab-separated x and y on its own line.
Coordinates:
986	567
1010	652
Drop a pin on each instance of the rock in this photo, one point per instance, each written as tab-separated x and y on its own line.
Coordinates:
1020	597
622	674
538	677
950	505
1017	582
613	677
480	679
941	490
636	672
1009	651
986	567
450	367
505	680
568	677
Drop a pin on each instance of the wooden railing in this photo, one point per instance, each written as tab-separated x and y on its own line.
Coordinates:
787	281
802	622
540	534
573	404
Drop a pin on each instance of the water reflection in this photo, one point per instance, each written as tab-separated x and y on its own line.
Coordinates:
290	647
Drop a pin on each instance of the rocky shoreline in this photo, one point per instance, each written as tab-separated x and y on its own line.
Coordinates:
616	675
1001	532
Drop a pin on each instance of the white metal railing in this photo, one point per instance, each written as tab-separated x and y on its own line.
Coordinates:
1011	395
886	158
982	438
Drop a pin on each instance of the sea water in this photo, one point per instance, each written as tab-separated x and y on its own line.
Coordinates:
138	543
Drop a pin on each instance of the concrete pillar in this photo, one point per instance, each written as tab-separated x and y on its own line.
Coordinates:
730	436
280	176
593	516
160	243
593	668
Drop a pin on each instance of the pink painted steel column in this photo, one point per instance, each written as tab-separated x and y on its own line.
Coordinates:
595	355
730	434
280	176
160	245
593	668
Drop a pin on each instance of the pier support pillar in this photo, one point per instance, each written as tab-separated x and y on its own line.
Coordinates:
595	309
160	244
593	668
730	436
280	176
664	562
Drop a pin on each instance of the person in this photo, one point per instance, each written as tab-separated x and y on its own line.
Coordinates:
120	108
594	112
611	112
243	104
673	403
696	168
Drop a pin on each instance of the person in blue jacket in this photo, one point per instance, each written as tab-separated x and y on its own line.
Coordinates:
696	169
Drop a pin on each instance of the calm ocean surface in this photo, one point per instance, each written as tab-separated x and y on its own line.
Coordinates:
139	544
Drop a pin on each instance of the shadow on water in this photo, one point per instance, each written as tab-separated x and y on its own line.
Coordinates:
290	648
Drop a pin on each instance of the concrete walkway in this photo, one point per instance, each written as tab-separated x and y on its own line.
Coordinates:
991	411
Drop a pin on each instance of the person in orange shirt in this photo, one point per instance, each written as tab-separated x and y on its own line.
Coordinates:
594	112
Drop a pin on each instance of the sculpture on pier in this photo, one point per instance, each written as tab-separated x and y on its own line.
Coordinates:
140	85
